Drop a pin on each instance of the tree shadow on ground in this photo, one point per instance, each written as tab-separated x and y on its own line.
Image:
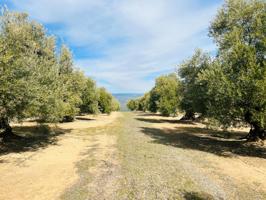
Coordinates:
198	196
84	119
143	114
206	140
31	138
174	121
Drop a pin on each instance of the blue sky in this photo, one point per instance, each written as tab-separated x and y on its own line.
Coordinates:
125	44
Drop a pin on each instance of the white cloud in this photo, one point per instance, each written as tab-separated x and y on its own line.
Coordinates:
137	37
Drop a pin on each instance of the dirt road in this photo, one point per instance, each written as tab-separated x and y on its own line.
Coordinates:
136	156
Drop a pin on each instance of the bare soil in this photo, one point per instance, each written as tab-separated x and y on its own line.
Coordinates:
45	171
225	166
131	156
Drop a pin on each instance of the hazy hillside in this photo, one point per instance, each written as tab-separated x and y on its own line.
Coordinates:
124	97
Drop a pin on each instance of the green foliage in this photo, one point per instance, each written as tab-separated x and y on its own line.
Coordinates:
34	82
65	61
27	67
153	101
115	104
73	84
237	80
144	102
89	98
164	97
139	104
107	103
194	96
231	89
131	104
166	91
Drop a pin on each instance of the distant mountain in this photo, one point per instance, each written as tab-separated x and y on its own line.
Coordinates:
123	98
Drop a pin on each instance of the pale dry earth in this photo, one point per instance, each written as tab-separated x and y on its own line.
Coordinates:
136	156
46	173
234	175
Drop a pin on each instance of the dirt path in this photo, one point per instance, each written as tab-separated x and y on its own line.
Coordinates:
136	156
201	163
47	172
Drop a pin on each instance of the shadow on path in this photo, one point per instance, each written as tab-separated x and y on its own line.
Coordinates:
206	140
174	121
84	119
31	138
198	196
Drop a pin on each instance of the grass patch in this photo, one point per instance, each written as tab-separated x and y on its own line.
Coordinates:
149	170
79	191
83	188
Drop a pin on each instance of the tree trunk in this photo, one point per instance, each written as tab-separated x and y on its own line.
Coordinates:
68	119
8	133
256	132
189	116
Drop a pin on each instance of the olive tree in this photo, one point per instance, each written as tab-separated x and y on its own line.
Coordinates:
27	69
73	83
115	105
89	98
194	96
131	104
237	79
165	96
144	102
107	103
35	82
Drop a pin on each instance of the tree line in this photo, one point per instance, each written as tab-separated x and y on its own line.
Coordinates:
230	87
37	82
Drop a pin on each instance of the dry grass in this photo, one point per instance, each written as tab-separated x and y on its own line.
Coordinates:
131	156
236	167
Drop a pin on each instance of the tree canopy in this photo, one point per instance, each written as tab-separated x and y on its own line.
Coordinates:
28	67
37	82
106	101
194	96
231	87
90	98
236	81
164	97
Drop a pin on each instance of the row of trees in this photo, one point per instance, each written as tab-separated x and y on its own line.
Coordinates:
162	98
230	88
36	82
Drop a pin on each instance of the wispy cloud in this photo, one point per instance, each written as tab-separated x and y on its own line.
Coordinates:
121	43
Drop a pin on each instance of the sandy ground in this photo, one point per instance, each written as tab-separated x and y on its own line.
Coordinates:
135	156
46	173
241	169
81	122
